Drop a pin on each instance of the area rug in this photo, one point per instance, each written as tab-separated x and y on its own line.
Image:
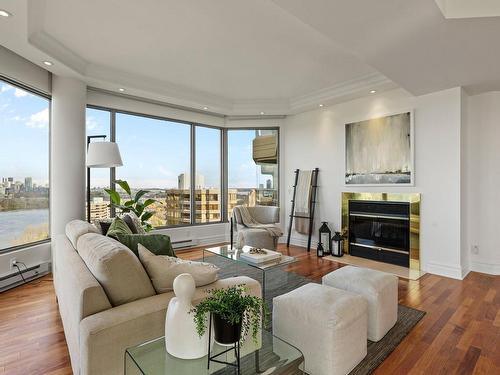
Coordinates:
280	282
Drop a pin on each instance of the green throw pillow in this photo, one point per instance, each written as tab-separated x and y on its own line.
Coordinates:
118	226
158	244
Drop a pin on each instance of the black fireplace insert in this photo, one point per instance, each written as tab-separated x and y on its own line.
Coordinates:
380	230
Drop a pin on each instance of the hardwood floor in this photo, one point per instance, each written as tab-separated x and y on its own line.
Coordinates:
460	333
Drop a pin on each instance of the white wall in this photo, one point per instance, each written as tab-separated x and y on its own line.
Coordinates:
483	181
316	139
21	70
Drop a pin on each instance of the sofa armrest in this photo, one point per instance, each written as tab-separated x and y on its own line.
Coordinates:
105	336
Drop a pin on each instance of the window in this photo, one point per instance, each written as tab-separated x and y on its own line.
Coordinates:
160	155
156	156
252	167
208	193
98	122
24	166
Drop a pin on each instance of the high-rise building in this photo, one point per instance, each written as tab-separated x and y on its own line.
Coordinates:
184	181
269	184
99	209
28	184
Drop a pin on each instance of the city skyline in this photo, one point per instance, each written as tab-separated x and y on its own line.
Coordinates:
25	118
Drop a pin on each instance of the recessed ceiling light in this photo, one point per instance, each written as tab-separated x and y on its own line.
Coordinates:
4	13
321	105
262	113
205	108
373	91
48	63
121	89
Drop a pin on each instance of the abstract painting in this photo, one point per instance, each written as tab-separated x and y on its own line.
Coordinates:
380	151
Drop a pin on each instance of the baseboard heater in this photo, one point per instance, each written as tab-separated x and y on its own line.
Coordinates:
184	244
13	279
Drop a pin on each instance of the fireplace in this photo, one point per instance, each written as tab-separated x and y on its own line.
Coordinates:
380	231
382	226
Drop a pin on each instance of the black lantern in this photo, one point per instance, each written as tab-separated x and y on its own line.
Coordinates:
338	245
325	238
320	251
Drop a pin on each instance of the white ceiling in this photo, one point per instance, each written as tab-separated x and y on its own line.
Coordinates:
411	42
243	57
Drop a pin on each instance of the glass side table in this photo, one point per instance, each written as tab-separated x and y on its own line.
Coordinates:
274	356
235	255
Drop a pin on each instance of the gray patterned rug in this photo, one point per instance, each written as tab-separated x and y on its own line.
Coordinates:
280	282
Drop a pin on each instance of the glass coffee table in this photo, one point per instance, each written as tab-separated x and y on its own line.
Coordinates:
274	356
235	255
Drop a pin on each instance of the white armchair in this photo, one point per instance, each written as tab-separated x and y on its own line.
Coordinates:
257	237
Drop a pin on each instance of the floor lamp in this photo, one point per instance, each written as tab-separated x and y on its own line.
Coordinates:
100	155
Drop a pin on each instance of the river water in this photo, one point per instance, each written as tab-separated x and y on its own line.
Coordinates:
13	223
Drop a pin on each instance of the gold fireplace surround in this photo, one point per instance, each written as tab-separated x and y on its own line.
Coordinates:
412	198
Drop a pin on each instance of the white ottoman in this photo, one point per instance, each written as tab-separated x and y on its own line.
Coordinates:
328	325
380	290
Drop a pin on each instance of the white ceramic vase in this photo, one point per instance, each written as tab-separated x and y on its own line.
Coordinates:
181	338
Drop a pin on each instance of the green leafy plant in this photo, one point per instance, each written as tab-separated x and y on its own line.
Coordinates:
133	204
234	306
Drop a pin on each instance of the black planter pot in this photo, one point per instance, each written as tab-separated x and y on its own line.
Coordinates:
226	333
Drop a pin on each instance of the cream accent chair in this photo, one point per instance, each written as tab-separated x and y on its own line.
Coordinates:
103	318
254	236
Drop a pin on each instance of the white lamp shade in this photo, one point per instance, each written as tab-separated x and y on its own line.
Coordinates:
103	155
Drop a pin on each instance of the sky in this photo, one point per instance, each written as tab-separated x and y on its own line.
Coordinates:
24	125
154	152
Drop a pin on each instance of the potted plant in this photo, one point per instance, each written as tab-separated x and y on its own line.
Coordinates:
133	204
234	314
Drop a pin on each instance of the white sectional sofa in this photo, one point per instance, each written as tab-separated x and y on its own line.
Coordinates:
105	313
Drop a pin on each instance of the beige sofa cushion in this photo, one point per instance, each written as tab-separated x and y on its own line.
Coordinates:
163	269
115	267
77	228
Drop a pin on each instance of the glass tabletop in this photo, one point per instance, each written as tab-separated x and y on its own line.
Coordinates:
271	356
235	254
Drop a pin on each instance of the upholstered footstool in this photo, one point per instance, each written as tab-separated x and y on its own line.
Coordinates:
328	325
380	290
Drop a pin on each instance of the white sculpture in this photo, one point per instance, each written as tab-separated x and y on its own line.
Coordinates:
181	338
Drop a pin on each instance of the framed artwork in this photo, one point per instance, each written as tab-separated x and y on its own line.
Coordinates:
379	151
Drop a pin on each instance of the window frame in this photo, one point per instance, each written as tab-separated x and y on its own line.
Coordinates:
278	152
223	162
48	97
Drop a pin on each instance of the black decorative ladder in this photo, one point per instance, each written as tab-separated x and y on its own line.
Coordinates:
312	204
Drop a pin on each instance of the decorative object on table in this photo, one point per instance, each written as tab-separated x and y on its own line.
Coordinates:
234	315
181	337
338	245
256	226
303	204
380	151
100	155
133	204
320	251
258	255
325	237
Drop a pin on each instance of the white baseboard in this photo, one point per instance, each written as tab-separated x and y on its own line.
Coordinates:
492	269
302	242
453	271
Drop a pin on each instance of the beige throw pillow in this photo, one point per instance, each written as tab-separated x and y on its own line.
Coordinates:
163	269
116	268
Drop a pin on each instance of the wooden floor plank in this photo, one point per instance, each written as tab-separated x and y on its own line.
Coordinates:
460	333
